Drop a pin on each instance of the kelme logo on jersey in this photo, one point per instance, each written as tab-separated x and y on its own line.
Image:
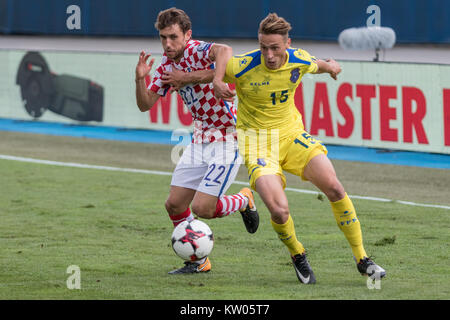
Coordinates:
295	74
259	84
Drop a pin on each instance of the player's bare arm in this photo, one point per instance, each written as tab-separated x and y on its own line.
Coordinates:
221	54
178	79
145	99
330	66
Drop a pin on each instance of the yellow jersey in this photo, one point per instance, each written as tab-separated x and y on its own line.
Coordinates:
265	96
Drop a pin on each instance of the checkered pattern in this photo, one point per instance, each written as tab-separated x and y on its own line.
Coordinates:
214	120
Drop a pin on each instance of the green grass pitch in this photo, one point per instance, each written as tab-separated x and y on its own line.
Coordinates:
113	225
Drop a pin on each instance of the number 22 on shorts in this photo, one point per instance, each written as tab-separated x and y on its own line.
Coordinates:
209	176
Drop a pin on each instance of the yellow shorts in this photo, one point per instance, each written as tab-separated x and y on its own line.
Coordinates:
271	156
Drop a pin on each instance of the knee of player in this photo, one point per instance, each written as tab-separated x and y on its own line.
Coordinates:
279	213
335	191
171	207
202	211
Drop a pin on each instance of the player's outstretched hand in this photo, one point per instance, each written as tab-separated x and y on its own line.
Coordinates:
222	91
142	68
174	78
335	68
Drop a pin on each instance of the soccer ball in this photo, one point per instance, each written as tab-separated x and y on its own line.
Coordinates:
192	240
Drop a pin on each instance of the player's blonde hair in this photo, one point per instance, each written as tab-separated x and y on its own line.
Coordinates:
273	24
172	16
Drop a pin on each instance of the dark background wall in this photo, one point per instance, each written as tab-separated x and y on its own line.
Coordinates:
414	21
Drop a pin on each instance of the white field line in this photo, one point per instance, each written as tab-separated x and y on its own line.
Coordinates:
162	173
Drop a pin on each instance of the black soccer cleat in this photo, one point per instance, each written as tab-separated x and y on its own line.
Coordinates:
250	215
369	268
303	269
192	267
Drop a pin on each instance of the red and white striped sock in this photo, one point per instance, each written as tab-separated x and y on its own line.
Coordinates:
179	218
226	205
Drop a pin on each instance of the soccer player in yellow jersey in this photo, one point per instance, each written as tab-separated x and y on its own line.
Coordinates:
272	137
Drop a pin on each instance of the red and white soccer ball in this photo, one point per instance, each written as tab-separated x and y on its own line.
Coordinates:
192	240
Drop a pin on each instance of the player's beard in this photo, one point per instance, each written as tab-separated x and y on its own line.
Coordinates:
175	55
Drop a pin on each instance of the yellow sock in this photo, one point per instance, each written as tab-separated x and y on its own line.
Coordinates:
345	215
286	233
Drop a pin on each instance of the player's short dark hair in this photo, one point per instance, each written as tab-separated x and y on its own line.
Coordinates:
273	24
172	16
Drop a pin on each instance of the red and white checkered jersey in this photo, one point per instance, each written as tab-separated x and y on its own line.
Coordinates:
214	120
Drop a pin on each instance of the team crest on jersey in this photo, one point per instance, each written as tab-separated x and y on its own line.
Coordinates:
203	46
298	54
295	74
242	62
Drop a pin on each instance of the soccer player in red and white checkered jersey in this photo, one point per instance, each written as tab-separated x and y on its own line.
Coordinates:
210	163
